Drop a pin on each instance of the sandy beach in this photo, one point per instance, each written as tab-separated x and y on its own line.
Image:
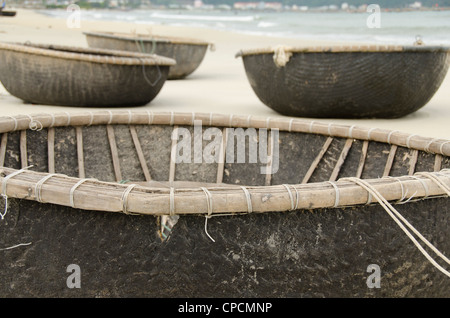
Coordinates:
219	85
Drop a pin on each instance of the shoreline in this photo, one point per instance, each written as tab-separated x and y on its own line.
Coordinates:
219	85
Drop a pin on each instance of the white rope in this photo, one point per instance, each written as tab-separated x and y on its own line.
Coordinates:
53	120
125	198
34	124
297	198
14	246
396	216
150	117
91	119
408	140
337	194
424	185
4	183
231	120
5	198
171	118
68	118
350	131
249	199
290	196
370	132
206	228
389	136
401	186
72	190
130	115
441	149
38	186
15	122
209	209
110	117
290	124
427	147
208	200
311	126
434	177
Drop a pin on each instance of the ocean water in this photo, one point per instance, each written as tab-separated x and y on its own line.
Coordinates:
399	28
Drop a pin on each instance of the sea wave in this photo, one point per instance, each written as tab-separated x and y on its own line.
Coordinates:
248	18
266	24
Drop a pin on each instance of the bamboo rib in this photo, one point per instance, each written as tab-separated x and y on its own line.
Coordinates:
23	149
390	160
51	149
80	153
270	142
139	152
437	162
413	162
221	163
341	160
317	160
114	153
173	151
4	141
362	159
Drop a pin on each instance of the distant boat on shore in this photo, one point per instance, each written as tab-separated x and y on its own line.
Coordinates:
346	82
188	53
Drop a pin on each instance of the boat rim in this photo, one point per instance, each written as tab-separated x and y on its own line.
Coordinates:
92	55
345	49
140	37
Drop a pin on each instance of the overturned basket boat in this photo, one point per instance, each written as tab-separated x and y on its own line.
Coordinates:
188	53
7	13
346	82
185	205
72	76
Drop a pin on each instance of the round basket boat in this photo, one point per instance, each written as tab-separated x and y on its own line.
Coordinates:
208	205
72	76
188	53
346	82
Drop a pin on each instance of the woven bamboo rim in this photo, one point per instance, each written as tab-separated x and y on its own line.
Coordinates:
143	117
88	54
157	200
346	49
147	38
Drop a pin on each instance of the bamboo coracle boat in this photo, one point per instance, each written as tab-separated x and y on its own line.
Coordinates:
7	13
72	76
188	53
346	82
164	204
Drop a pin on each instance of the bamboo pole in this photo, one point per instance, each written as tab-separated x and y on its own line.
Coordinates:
140	154
341	160
108	196
316	161
114	152
362	159
80	153
51	149
4	142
